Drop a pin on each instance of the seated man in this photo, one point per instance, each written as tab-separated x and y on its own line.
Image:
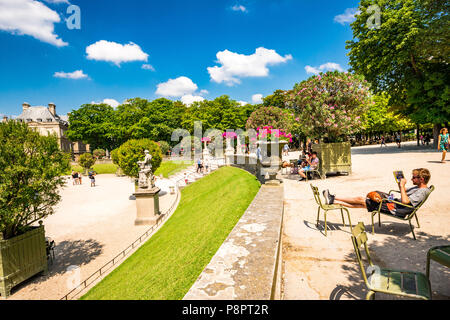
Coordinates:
312	164
412	196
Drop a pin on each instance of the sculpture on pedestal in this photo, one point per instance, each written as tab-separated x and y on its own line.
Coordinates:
145	172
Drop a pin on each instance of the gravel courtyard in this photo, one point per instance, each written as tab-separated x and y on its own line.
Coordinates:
90	226
319	267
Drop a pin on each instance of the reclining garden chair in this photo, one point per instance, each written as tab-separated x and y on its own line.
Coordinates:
396	282
407	218
311	173
329	207
440	254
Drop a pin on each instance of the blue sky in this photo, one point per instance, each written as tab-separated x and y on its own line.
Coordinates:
191	49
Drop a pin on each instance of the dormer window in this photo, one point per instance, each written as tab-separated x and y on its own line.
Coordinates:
49	120
29	120
39	120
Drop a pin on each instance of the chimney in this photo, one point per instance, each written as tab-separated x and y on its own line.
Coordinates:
52	108
25	106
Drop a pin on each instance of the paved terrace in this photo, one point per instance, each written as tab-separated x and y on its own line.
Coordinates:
319	267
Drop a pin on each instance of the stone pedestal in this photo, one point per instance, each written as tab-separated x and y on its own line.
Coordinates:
147	206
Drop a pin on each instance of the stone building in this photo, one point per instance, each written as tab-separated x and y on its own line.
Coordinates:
47	121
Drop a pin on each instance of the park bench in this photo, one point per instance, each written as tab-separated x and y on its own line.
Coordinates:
328	207
406	218
395	282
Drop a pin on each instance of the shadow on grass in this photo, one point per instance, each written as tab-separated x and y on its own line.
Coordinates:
67	253
401	253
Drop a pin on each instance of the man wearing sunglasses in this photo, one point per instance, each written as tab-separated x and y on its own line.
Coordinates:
411	196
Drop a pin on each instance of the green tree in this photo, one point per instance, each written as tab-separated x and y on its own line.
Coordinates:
221	113
277	99
379	118
86	161
132	151
407	56
93	124
31	169
164	147
272	116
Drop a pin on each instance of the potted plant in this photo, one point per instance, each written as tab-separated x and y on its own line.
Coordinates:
329	107
31	172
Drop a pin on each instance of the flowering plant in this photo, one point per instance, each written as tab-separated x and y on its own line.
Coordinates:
330	104
229	134
271	134
206	139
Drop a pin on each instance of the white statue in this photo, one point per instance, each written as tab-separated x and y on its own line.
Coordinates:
145	172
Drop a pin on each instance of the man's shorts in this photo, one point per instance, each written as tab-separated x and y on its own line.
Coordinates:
399	210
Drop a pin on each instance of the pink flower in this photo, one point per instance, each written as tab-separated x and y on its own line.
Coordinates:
332	108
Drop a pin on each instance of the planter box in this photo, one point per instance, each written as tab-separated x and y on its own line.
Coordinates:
334	157
21	257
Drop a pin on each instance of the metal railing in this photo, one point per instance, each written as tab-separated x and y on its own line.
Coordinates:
97	274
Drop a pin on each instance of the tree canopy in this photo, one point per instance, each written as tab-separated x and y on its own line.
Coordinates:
406	56
31	172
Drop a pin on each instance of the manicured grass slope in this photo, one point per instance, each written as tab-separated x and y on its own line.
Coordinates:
167	265
171	167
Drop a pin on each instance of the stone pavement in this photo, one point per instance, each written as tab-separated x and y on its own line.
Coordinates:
319	267
245	266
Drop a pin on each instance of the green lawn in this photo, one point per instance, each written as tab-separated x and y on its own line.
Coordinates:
171	167
99	168
168	264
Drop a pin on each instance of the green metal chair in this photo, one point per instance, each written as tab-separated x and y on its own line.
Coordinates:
440	254
311	174
396	282
328	207
407	218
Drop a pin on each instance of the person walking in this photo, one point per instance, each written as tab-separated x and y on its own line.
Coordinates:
74	177
443	143
398	140
383	142
92	175
79	178
286	150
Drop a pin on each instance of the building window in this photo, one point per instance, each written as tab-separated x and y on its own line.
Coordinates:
49	120
29	120
39	120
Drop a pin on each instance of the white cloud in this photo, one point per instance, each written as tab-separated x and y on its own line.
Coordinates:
178	87
239	8
347	17
324	67
113	103
204	92
189	99
257	98
148	67
313	70
115	52
242	103
32	18
235	65
71	75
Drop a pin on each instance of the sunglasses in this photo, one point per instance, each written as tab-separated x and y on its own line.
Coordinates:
415	177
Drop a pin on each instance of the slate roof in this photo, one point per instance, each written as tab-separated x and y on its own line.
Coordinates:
39	112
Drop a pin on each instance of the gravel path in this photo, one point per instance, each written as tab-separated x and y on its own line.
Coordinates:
319	267
90	226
